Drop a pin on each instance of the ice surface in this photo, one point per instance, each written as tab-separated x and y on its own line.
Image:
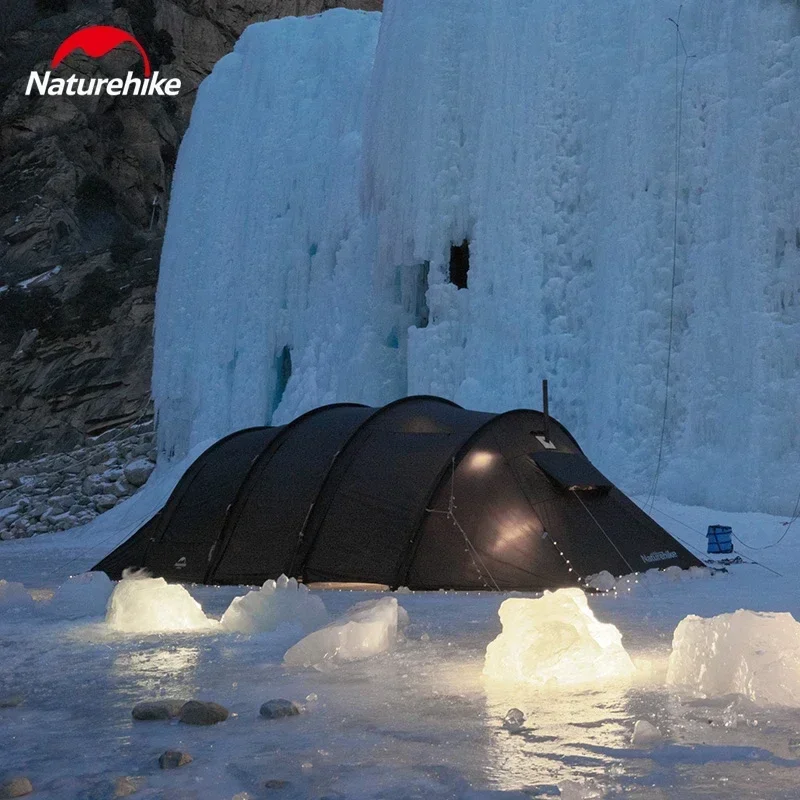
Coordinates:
419	721
366	629
151	605
276	603
14	596
317	194
555	639
84	595
754	654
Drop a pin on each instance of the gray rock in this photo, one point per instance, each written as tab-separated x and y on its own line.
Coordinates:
172	759
103	502
514	720
121	488
197	712
276	709
137	472
169	708
275	784
15	787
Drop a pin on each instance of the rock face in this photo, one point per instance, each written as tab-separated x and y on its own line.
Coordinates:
86	185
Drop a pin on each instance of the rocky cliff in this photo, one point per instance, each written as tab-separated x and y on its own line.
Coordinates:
85	187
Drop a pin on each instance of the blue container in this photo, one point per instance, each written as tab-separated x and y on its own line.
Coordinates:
719	539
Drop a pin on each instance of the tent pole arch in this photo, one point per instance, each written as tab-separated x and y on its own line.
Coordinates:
235	508
332	481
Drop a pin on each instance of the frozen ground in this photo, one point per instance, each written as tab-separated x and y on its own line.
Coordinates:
419	721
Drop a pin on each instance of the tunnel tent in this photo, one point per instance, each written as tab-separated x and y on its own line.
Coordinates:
419	493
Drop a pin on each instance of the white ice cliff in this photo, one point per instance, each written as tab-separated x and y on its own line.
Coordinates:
331	163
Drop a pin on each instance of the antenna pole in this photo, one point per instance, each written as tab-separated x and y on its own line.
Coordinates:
546	410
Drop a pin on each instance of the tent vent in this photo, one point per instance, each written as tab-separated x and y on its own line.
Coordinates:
570	471
459	264
283	369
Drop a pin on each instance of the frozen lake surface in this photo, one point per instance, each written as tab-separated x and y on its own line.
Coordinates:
416	722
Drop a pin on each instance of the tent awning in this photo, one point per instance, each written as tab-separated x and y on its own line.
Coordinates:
570	470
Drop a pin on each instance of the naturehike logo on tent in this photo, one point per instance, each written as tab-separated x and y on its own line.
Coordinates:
663	555
96	41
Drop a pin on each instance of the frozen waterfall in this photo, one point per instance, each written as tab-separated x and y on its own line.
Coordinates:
332	163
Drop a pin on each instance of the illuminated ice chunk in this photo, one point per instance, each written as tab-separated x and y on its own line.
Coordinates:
151	605
367	629
275	603
555	639
750	653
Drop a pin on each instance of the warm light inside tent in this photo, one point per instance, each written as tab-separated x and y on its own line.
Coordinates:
480	460
555	640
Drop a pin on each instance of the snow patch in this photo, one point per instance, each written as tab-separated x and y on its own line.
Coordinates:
555	639
151	605
754	654
367	629
275	603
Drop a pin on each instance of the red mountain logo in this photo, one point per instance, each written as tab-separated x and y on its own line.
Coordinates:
97	41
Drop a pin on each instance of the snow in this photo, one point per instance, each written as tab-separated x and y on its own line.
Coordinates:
276	603
366	630
331	162
150	605
555	640
756	655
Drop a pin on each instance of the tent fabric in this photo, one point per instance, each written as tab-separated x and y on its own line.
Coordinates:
420	493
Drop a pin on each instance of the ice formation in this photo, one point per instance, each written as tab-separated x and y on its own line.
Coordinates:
327	172
151	605
750	653
555	639
84	595
645	734
367	629
276	603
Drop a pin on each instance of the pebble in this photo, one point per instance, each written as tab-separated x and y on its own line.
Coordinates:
197	712
158	709
172	759
15	787
11	700
275	709
127	785
513	720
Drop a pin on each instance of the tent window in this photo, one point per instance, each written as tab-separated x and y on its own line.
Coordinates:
459	264
283	368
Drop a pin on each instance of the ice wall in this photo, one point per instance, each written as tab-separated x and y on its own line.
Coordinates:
544	133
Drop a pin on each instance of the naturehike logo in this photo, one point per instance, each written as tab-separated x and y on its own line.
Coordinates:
96	41
663	555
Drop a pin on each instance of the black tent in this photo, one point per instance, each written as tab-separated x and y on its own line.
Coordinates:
420	493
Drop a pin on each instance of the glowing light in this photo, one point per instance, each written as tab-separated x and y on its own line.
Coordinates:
555	640
481	460
151	605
